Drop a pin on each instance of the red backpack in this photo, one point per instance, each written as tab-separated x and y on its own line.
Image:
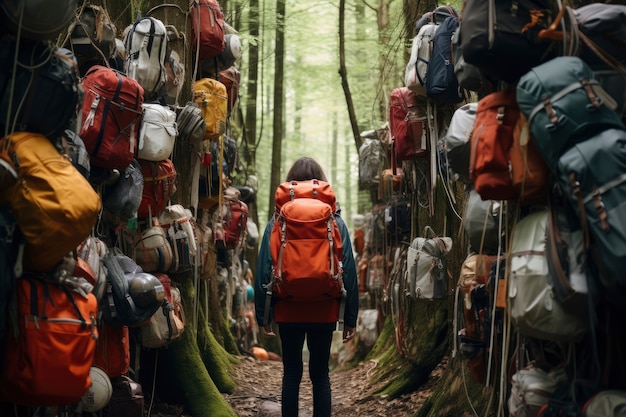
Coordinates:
159	185
207	24
408	125
112	111
305	244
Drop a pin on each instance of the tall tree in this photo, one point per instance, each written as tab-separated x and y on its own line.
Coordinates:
279	96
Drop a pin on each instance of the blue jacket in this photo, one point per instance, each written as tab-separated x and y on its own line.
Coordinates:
350	279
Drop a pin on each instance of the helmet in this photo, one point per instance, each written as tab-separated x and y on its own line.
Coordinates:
146	290
99	392
41	19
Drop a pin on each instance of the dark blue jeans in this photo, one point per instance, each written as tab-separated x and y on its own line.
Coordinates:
318	337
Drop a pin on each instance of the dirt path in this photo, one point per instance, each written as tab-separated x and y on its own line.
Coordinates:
259	384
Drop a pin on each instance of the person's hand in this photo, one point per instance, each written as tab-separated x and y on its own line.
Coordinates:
267	330
348	333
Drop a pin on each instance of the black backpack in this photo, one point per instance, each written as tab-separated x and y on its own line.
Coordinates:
441	82
117	306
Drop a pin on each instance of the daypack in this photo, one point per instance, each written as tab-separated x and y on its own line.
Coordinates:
234	218
146	44
398	219
231	78
371	161
441	83
609	402
118	306
503	41
592	176
603	25
50	352
473	297
73	147
458	140
168	323
191	125
112	112
564	104
212	99
305	242
92	251
207	28
159	185
92	37
503	163
566	253
227	58
54	205
37	20
531	302
157	133
427	273
45	94
112	349
122	198
416	68
481	223
408	124
532	387
421	48
178	224
150	248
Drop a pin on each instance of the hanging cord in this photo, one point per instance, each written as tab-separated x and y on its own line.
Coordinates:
154	374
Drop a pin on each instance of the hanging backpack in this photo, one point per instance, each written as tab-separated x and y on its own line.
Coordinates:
54	205
177	222
191	125
502	40
207	28
234	218
73	148
150	248
112	349
441	84
408	124
92	37
168	323
481	224
231	78
532	305
564	104
125	304
146	45
532	387
427	273
211	97
157	133
42	94
457	140
50	352
592	177
305	244
122	198
504	165
112	112
159	185
421	48
371	161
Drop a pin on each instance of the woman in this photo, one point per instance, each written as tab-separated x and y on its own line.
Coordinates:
317	328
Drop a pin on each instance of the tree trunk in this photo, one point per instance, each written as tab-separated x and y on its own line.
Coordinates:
343	73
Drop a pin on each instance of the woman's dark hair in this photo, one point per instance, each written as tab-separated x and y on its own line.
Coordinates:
304	169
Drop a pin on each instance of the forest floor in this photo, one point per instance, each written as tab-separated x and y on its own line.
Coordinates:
259	385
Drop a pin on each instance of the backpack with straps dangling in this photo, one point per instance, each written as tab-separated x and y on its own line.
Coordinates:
207	24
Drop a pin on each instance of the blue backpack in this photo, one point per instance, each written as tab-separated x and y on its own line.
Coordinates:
442	85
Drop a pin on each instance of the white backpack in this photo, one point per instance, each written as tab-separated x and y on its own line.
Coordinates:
146	42
415	73
157	133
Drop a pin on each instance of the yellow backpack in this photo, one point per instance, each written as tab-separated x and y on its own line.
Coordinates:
212	98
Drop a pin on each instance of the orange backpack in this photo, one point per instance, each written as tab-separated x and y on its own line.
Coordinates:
305	243
48	361
504	163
